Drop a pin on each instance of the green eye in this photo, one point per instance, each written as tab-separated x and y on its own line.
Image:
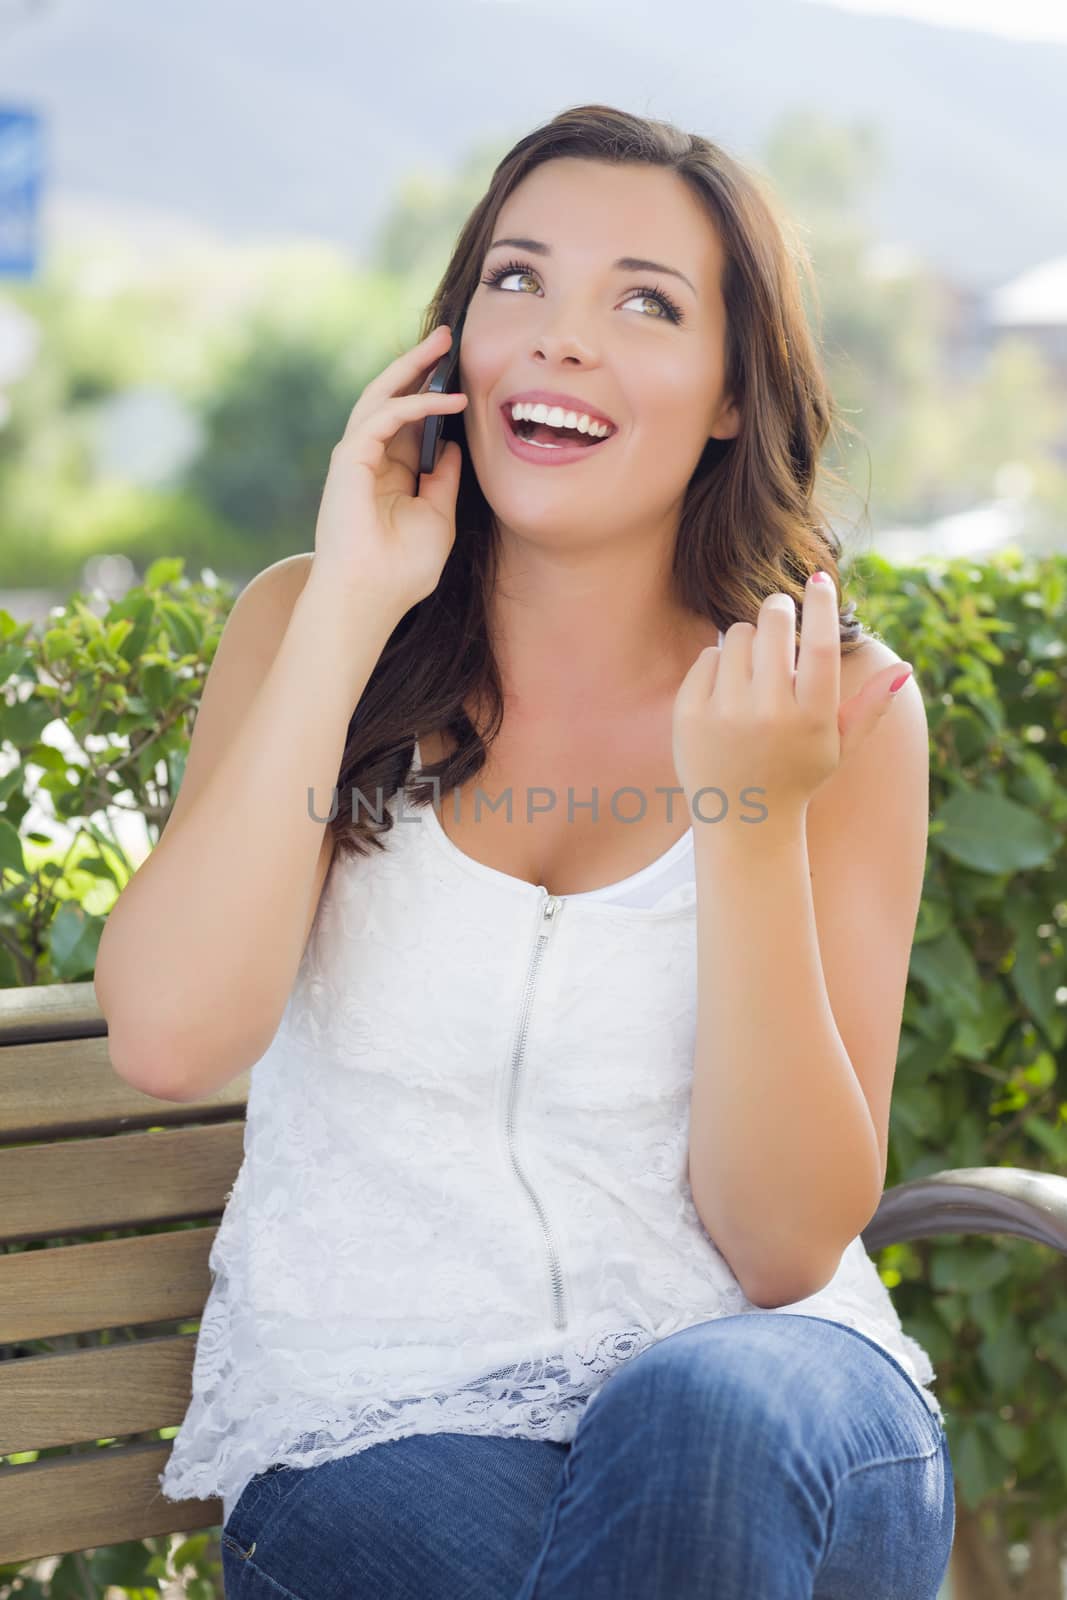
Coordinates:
522	268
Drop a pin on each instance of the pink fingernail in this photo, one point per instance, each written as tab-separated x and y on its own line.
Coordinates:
820	577
898	683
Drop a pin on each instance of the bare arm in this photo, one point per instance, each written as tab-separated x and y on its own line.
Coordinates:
199	953
805	929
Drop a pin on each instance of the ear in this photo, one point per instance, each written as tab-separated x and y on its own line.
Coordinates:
727	424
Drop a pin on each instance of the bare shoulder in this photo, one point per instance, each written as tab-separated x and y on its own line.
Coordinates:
263	609
279	585
871	656
295	569
250	640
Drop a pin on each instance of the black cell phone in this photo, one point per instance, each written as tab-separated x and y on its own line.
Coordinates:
443	381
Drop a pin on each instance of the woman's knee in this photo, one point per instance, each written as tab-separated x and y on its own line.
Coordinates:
751	1374
704	1374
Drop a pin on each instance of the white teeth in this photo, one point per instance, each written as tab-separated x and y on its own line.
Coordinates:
556	417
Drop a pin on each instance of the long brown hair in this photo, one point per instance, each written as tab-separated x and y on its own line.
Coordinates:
751	522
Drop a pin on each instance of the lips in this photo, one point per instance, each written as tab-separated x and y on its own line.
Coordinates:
548	455
566	402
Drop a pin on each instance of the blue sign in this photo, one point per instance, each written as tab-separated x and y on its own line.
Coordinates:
21	171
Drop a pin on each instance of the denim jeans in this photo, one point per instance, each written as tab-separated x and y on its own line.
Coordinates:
753	1457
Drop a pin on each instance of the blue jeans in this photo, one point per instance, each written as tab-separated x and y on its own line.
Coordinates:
753	1457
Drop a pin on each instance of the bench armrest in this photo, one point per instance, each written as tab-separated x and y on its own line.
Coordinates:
1031	1205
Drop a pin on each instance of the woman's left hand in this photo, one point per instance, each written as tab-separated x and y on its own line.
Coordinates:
757	713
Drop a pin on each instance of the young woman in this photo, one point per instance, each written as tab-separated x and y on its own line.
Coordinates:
542	1275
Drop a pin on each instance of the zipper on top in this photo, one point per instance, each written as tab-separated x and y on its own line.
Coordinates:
548	920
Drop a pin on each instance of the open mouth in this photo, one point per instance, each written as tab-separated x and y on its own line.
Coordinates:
540	435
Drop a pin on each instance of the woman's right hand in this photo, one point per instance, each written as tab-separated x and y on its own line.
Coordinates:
374	534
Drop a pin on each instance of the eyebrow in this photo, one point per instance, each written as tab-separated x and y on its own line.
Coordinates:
623	264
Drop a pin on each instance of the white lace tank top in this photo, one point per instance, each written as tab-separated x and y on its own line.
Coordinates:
464	1197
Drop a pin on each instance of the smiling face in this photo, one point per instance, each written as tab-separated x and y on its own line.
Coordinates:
639	344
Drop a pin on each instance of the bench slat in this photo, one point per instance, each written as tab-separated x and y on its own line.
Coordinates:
50	1011
84	1395
60	1087
166	1175
89	1501
113	1283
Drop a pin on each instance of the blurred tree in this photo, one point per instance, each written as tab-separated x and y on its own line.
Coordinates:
935	441
269	429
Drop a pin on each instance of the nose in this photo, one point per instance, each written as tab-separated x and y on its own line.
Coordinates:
564	347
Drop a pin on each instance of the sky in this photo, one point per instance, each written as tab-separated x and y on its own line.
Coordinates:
1021	19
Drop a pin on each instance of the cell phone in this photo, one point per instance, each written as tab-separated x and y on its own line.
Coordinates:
443	381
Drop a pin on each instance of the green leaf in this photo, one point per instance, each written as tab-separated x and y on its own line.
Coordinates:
190	1550
1038	971
920	1111
1010	1438
11	856
138	607
1035	782
159	686
952	1310
979	1036
966	1269
977	1466
118	632
947	967
10	781
992	834
924	1056
182	625
94	628
73	938
933	918
1042	1071
47	757
66	1582
123	1566
60	643
13	659
166	570
1006	1358
25	721
108	848
96	867
1052	1140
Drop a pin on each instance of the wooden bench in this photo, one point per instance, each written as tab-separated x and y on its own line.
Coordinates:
82	1354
